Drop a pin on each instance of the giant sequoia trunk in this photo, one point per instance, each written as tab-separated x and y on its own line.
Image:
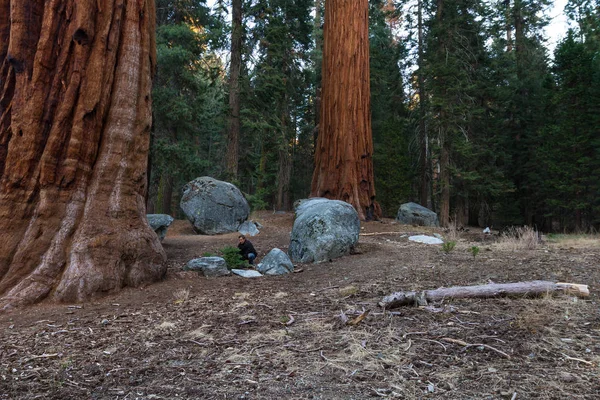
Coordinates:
344	153
75	116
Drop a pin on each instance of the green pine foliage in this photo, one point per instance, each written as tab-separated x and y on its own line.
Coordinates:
276	115
187	103
393	174
232	257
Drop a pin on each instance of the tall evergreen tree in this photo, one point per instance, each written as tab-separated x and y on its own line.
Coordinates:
455	60
276	114
393	174
187	109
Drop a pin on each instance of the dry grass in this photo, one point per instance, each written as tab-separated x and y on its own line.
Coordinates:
564	241
181	296
452	233
519	238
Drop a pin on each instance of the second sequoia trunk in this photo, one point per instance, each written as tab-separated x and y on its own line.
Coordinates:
344	152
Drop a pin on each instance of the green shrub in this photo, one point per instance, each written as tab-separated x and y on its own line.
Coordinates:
232	257
448	246
474	250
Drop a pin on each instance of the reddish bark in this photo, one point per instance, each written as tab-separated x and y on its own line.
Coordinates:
344	153
75	117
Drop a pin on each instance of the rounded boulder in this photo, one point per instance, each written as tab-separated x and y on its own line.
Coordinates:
415	214
323	230
275	263
214	206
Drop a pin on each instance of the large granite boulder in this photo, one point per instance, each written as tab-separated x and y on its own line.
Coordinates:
214	206
323	230
160	223
415	214
209	266
275	263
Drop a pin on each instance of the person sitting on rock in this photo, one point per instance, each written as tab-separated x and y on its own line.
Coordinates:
247	251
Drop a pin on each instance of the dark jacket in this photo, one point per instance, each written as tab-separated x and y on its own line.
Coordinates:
246	248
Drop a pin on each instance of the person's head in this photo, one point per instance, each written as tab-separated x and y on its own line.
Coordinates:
242	239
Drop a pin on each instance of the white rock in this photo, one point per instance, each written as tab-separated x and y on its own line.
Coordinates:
425	239
247	273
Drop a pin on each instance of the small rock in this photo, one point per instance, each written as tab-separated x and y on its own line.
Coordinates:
566	377
247	273
209	266
160	223
275	263
425	239
249	228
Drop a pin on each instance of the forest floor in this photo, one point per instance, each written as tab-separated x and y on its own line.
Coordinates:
283	338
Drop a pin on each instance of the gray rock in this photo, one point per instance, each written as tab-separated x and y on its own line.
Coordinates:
414	214
249	228
247	273
214	206
209	266
323	230
160	223
275	263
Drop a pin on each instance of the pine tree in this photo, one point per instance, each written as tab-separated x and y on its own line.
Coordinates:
276	113
188	94
455	61
393	174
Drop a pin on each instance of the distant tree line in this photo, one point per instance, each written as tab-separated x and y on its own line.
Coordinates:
471	115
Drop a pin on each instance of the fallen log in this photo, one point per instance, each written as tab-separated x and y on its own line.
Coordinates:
523	289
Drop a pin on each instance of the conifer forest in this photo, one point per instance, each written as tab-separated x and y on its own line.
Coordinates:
474	114
300	199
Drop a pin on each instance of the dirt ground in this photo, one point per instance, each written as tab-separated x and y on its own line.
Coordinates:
283	337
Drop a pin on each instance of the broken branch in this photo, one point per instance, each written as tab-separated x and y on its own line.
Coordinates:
529	289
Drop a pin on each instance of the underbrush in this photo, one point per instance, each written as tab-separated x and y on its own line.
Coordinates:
519	238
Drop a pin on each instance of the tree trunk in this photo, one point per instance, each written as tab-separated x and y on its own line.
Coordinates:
530	289
445	183
317	58
344	153
508	24
284	170
167	194
423	139
75	117
233	132
461	212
